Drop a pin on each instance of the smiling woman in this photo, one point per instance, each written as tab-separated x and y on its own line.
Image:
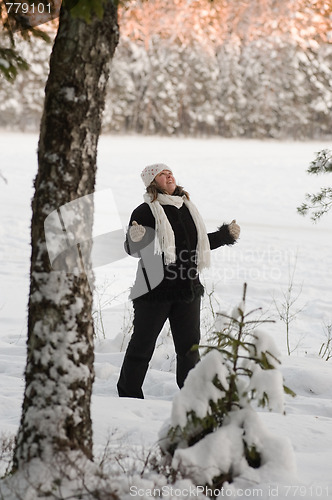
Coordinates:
165	181
169	236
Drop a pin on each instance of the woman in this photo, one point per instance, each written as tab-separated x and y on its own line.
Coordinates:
169	235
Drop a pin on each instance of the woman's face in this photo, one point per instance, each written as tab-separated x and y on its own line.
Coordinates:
166	181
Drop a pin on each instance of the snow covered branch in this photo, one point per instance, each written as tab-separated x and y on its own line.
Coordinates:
214	433
321	203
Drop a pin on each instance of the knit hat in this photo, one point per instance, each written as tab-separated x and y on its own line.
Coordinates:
151	171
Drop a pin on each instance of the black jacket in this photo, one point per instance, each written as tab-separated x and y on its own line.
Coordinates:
179	280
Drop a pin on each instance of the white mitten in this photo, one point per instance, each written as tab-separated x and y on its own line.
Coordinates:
234	229
136	232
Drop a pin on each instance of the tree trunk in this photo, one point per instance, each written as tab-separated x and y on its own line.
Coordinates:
59	371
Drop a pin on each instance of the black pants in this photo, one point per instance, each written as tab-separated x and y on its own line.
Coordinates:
149	318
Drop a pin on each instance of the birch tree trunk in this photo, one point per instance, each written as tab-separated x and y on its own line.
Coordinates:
59	371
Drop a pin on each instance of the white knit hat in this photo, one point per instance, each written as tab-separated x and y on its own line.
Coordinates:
150	172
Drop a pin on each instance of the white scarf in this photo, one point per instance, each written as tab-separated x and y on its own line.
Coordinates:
165	240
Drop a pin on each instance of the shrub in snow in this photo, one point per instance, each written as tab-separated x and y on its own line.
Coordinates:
214	433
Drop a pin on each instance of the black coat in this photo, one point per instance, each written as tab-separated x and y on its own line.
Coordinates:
179	280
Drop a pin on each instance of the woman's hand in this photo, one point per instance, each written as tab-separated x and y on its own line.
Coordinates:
136	232
234	229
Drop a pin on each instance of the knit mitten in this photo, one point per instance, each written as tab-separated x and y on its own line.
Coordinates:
136	232
234	229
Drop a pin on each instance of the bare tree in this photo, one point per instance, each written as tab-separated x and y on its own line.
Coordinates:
285	307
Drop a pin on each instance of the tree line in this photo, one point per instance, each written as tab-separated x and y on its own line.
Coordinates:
251	69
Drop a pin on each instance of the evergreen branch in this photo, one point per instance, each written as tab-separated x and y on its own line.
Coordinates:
245	370
289	391
260	321
322	163
231	318
320	203
252	311
216	348
11	63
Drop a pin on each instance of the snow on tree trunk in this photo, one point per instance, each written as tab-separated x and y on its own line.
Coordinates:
59	371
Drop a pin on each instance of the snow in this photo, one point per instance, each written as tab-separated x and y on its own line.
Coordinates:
222	451
4	63
217	452
260	183
268	382
199	389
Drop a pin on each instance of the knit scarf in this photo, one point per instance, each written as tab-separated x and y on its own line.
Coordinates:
165	240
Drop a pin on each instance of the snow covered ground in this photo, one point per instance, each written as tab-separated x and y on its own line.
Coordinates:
260	184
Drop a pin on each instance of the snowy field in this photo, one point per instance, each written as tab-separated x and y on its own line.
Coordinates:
258	183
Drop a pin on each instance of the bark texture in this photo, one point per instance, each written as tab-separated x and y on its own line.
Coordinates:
59	371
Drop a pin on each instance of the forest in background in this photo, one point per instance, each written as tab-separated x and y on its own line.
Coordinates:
256	68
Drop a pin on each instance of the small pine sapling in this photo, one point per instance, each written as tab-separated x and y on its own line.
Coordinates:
214	433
